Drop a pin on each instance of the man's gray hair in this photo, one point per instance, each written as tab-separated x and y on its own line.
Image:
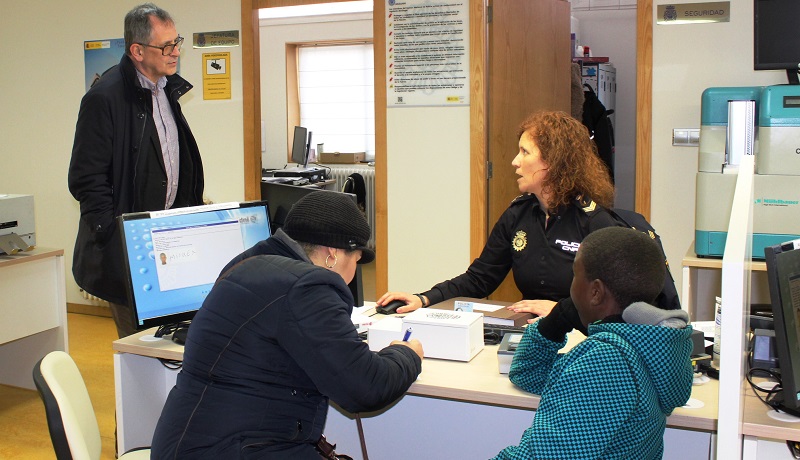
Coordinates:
137	24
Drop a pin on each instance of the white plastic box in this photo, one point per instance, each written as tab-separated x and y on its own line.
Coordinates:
381	333
455	335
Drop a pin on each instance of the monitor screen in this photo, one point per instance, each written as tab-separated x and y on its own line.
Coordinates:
173	257
776	41
281	198
300	146
783	274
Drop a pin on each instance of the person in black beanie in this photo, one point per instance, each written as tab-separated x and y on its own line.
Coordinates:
273	342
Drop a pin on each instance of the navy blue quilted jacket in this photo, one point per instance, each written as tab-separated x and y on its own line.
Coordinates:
609	397
271	344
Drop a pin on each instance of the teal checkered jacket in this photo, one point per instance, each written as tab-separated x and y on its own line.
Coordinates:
608	397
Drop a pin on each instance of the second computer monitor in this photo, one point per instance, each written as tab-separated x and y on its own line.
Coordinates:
301	146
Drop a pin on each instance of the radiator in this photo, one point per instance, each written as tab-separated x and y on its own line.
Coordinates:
341	172
95	300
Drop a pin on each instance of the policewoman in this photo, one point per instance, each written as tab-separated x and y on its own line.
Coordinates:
566	190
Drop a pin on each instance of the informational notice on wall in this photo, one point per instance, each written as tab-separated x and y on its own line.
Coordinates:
216	75
427	53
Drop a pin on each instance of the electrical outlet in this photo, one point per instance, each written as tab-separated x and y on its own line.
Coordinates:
685	137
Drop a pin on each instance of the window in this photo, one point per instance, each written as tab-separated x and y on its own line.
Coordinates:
336	96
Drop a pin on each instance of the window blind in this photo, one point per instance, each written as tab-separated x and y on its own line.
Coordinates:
337	99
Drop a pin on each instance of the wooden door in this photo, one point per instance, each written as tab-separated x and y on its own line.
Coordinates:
528	70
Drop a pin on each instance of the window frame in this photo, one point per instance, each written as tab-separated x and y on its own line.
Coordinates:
293	81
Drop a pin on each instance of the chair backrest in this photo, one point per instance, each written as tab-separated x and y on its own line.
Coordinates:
70	414
356	185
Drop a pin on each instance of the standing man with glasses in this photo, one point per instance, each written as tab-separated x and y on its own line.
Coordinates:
133	151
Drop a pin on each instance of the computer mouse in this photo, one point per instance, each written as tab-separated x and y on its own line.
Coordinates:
179	336
390	308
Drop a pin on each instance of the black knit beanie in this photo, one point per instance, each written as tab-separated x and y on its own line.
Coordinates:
329	219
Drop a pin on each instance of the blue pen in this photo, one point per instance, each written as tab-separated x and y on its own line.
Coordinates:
407	335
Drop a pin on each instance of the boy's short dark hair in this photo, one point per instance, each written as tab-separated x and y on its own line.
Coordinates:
627	261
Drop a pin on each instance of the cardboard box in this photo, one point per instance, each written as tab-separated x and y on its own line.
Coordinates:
341	157
452	335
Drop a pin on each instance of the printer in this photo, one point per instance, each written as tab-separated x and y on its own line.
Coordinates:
776	146
17	232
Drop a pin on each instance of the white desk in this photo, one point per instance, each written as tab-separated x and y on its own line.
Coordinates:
454	410
33	308
764	437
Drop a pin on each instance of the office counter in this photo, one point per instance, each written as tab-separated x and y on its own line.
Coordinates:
453	410
764	437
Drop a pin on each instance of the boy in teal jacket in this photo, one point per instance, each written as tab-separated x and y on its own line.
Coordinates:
609	397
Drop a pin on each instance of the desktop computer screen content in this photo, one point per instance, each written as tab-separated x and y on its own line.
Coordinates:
783	274
173	257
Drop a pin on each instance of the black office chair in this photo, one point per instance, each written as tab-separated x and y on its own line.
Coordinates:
70	415
356	185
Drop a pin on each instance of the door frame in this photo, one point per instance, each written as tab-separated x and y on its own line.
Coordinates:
251	95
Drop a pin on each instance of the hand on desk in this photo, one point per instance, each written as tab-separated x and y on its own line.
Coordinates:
413	344
538	307
412	301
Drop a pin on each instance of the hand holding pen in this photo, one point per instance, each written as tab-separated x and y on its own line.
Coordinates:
414	344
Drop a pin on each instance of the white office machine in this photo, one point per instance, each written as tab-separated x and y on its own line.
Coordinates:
454	335
775	143
17	229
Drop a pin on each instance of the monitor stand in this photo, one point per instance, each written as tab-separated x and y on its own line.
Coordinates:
356	288
178	332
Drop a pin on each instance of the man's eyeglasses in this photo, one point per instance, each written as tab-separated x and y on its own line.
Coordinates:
167	49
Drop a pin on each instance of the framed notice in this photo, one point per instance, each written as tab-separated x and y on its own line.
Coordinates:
427	53
217	75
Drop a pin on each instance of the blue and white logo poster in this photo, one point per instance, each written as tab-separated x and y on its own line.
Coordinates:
427	53
99	56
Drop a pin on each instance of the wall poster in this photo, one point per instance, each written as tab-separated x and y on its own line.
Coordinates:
427	53
99	56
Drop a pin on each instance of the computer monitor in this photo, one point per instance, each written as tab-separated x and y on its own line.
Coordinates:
776	41
281	198
783	274
300	146
173	257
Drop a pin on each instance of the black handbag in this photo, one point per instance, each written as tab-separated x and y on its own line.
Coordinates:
328	450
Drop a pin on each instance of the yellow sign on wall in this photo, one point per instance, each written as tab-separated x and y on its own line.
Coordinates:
216	75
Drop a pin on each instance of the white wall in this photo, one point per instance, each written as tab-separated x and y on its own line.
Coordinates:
44	81
428	195
612	33
687	59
